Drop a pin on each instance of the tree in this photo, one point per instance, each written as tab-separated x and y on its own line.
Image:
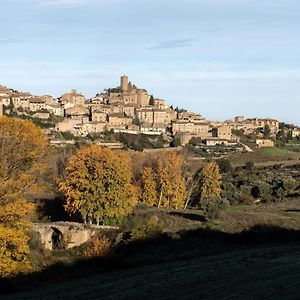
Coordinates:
211	181
175	143
151	100
149	187
23	148
225	165
163	184
11	105
98	185
266	131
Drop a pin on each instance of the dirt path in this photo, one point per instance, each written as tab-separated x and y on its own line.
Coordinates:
259	273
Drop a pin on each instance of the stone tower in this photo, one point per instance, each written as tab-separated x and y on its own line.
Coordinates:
124	83
142	98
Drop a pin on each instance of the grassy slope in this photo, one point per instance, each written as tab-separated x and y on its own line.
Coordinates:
204	264
264	155
271	272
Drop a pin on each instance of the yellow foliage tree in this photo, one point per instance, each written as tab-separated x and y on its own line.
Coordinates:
98	185
22	149
211	181
149	187
170	180
164	185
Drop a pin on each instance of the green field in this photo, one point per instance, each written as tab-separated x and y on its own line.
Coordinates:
264	155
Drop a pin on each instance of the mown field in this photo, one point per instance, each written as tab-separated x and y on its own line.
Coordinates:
271	272
250	252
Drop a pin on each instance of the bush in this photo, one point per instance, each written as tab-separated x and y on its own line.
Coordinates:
98	246
150	230
212	206
225	165
231	193
249	166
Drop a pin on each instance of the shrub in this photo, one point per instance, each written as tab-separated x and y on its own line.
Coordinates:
98	246
150	230
212	206
225	165
249	166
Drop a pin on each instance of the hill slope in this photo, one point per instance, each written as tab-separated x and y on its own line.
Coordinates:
265	272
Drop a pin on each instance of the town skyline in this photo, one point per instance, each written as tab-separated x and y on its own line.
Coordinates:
92	95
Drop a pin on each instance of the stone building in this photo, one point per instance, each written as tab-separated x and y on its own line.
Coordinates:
264	143
99	116
73	97
201	129
37	104
183	126
261	123
222	132
118	119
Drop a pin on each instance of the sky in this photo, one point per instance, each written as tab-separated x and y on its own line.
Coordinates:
219	58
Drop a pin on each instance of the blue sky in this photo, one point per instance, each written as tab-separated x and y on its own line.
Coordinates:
220	58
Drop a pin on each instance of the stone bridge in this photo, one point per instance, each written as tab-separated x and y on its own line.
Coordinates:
70	233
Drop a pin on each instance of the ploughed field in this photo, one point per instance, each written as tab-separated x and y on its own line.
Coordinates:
264	272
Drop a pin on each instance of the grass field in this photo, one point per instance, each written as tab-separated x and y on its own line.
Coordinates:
271	272
264	155
251	252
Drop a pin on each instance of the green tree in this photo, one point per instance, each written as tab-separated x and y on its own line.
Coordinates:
175	143
266	131
98	185
151	100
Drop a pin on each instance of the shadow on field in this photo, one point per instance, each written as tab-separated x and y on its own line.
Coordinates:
189	216
161	249
292	210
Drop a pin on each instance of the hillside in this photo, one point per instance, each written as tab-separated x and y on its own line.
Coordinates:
271	272
248	253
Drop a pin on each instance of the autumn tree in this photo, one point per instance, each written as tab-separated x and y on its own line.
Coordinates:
165	182
149	187
211	181
98	185
22	151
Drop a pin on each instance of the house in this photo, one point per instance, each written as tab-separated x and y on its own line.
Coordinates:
76	111
222	132
36	104
201	129
41	115
263	143
183	126
261	123
73	97
118	119
84	129
55	109
296	132
99	116
213	141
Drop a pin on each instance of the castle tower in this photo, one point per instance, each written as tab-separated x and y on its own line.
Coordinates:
142	98
124	83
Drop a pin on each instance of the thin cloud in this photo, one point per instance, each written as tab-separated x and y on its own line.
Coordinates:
11	41
63	2
180	43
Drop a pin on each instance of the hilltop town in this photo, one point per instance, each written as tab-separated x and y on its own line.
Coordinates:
131	110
